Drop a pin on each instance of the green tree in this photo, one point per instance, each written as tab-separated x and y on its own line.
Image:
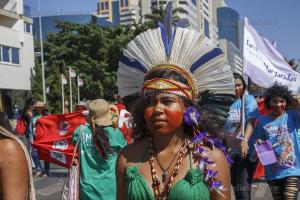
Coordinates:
37	87
93	52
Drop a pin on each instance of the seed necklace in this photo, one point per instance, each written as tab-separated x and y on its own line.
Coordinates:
155	181
165	171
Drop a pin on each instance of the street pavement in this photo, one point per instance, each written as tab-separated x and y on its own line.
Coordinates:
49	188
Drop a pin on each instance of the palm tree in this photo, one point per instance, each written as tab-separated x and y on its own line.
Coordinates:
158	14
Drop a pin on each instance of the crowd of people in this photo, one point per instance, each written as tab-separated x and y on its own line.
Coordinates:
193	131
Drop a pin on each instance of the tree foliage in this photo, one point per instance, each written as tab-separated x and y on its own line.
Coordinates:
93	52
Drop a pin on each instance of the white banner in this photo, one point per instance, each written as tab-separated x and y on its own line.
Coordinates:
264	64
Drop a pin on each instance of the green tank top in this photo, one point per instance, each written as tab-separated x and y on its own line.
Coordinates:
191	187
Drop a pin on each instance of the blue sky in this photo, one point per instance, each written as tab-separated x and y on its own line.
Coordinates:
274	19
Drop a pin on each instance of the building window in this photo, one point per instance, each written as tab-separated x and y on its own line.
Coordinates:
27	27
126	3
206	6
122	3
106	5
9	54
102	5
15	55
5	54
194	2
206	13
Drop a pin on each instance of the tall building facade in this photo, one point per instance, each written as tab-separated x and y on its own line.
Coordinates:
189	7
198	12
228	21
119	11
16	50
48	23
233	55
205	17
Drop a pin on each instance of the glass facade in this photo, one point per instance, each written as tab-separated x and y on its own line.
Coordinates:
206	27
228	25
116	13
27	11
49	23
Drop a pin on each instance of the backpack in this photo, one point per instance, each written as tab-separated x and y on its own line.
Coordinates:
21	126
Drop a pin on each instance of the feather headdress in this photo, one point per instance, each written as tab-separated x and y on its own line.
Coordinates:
188	50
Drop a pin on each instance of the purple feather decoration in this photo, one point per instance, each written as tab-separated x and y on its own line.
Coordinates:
191	116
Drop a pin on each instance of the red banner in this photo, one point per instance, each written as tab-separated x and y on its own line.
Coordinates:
53	137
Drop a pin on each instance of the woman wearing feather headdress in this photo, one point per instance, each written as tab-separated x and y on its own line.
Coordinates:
176	153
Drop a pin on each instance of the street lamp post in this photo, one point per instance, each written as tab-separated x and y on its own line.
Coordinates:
42	53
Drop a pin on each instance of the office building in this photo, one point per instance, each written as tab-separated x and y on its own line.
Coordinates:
119	11
16	51
228	21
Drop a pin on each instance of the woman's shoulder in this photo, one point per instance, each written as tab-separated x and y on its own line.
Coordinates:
11	151
133	153
215	155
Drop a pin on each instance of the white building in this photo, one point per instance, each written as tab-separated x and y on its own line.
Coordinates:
119	11
234	56
205	8
16	47
215	4
189	7
198	12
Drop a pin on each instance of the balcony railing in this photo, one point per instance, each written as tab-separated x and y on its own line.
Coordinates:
9	5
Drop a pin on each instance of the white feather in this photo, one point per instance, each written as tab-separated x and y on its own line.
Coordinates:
188	46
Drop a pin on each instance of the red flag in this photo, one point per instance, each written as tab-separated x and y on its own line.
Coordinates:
79	81
53	137
123	122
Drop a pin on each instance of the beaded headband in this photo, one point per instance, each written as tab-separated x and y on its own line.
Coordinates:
171	86
167	86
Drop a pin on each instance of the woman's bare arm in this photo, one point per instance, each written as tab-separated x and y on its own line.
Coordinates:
221	165
121	166
14	172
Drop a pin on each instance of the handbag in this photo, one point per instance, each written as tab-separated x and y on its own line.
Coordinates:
20	127
71	186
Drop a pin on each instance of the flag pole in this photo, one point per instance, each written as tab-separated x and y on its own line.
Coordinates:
62	93
71	104
78	89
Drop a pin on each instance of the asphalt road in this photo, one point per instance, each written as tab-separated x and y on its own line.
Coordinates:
49	188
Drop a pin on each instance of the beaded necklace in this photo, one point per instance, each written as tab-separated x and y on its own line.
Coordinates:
155	182
165	170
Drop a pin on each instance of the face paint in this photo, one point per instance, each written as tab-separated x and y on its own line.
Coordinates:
278	110
164	113
278	106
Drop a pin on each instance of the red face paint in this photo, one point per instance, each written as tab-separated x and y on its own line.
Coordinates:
278	106
278	110
165	115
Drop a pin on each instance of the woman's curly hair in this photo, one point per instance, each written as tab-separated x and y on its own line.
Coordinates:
278	91
140	129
